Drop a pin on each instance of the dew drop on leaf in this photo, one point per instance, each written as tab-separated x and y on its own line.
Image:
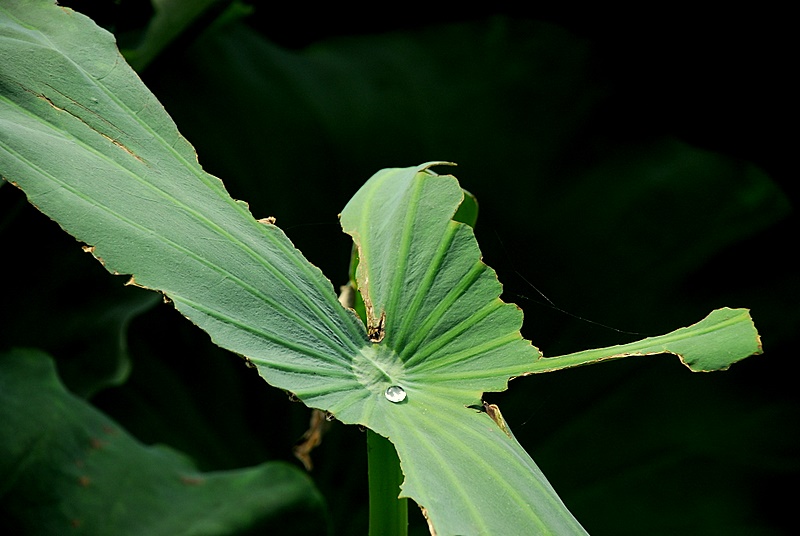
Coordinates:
395	393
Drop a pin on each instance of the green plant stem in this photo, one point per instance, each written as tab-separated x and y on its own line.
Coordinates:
388	515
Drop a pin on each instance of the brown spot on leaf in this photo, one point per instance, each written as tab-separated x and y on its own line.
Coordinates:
84	481
96	443
494	412
75	523
269	220
88	249
192	480
376	332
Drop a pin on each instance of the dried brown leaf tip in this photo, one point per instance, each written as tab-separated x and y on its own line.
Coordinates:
269	220
494	412
312	438
428	520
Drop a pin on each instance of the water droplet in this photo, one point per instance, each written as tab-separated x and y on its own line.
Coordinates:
395	393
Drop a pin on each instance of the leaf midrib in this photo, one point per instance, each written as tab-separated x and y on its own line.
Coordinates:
206	223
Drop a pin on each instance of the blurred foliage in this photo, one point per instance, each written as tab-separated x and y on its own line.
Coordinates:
612	166
66	462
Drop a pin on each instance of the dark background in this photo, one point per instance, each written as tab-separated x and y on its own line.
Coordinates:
632	166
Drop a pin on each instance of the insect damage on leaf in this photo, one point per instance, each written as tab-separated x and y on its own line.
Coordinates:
376	333
493	411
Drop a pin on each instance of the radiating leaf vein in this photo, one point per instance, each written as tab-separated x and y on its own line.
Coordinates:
410	315
408	353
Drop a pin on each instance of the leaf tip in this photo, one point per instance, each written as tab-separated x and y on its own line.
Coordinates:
427	165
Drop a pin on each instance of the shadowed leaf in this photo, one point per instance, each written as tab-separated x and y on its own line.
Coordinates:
67	468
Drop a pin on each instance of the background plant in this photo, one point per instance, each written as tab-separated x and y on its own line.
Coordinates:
652	160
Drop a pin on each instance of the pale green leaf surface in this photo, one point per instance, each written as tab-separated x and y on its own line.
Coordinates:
722	338
93	149
445	338
66	468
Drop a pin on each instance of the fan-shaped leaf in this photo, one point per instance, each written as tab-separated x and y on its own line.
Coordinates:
444	337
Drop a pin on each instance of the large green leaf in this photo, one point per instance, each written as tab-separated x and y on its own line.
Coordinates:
443	335
114	155
67	468
607	218
118	175
94	150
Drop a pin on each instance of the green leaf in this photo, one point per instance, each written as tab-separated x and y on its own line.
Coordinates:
443	336
117	175
65	467
722	338
564	213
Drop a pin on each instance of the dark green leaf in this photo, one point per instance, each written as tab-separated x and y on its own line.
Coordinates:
67	468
